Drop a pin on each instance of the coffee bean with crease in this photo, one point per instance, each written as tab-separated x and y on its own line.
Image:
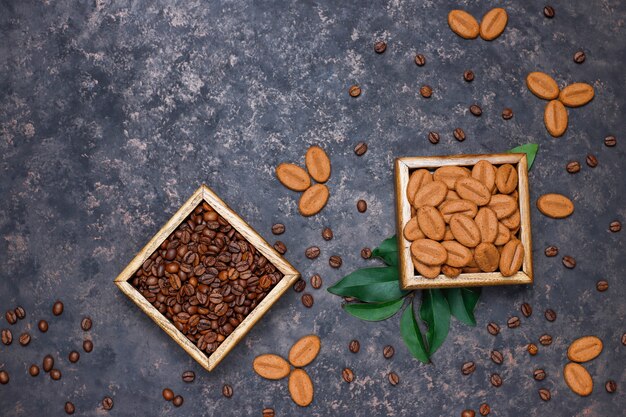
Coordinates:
610	141
380	47
526	309
468	76
544	394
335	261
484	409
69	408
579	57
20	313
610	386
591	161
366	253
550	314
468	368
227	391
615	226
354	91
573	167
24	339
312	252
551	251
433	137
493	329
602	285
532	349
11	317
347	374
496	380
360	148
388	352
354	346
280	247
268	412
426	91
497	357
539	374
545	340
420	60
459	134
7	337
189	376
307	300
107	403
507	113
278	229
548	12
513	322
393	378
86	324
316	281
299	285
569	262
476	110
327	233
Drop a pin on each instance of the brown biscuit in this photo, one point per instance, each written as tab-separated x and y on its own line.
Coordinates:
485	172
417	180
428	252
448	208
465	230
412	230
506	178
431	194
449	175
487	257
503	205
473	190
511	258
458	255
431	222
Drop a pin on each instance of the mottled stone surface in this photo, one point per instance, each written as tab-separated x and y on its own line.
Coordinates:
113	112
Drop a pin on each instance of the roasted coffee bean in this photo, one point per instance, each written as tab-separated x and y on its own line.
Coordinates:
354	346
55	374
484	409
624	339
107	403
496	380
569	262
393	378
327	233
468	368
544	394
88	346
11	316
388	352
459	134
476	110
299	285
43	326
551	251
548	12
497	357
307	300
493	328
513	322
178	401
312	252
280	247
316	281
573	167
347	375
610	386
361	206
268	412
380	47
278	229
33	370
579	57
24	339
602	285
366	253
420	60
189	376
86	324
354	91
360	148
227	391
7	337
591	160
539	374
507	113
468	76
527	310
69	408
610	141
335	261
468	413
433	137
57	308
4	377
545	340
20	313
615	226
532	349
550	314
48	363
74	356
426	91
168	394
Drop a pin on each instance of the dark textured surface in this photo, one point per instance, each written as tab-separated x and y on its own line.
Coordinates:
113	112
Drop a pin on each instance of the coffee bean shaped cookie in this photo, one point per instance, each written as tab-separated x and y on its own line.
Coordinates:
465	230
431	222
473	190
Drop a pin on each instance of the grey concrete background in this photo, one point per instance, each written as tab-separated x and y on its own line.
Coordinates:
113	112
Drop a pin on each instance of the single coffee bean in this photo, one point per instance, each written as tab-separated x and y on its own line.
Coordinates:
532	349
74	356
354	346
312	252
459	134
476	110
420	60
545	340
189	376
227	391
347	375
388	352
550	314
551	251
11	316
610	386
55	374
579	57
393	378
24	339
513	322
468	413
48	363
268	412
496	380
539	374
88	346
43	326
33	370
335	261
544	394
278	229
615	226
280	247
484	409
4	377
573	167
299	285
497	357
316	281
380	47
468	76
107	403
624	339
569	262
361	206
69	408
426	91
527	310
20	313
366	253
548	12
327	233
507	113
602	285
354	91
468	368
7	337
360	149
178	401
610	141
307	300
168	394
433	137
592	161
86	324
493	328
57	308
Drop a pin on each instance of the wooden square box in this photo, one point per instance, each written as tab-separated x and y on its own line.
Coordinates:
408	277
290	275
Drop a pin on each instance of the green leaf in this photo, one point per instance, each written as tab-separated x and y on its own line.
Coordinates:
462	302
412	335
388	251
530	149
374	311
436	313
372	285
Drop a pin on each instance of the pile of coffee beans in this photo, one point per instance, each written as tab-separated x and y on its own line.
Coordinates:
206	278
